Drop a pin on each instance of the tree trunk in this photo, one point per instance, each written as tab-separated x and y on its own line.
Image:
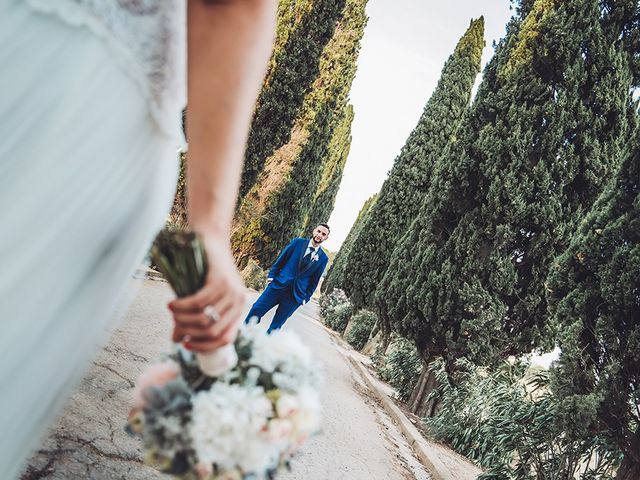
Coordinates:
630	467
372	344
418	403
418	390
429	408
385	331
375	329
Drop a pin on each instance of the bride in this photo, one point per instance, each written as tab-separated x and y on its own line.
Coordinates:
90	102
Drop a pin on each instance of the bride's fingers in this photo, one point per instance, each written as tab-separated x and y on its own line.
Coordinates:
230	316
200	325
207	344
192	319
207	295
225	304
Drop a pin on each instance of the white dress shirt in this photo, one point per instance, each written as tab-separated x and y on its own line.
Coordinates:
310	246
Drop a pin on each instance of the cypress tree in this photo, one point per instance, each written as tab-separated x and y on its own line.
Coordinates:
329	185
335	274
303	30
594	294
276	207
402	193
549	124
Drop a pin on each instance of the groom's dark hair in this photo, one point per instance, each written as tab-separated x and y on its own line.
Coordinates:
325	226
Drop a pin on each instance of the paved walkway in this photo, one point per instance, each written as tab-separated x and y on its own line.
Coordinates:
359	440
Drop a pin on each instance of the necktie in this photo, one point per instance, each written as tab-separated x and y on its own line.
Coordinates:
307	258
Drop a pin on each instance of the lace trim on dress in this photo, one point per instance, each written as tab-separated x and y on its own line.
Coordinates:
148	39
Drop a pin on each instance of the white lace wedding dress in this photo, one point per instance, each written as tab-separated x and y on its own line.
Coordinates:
90	99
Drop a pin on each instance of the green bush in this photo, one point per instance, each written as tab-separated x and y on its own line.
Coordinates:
329	302
338	318
505	421
360	328
253	276
401	368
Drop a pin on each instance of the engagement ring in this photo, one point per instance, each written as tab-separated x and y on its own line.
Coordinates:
211	312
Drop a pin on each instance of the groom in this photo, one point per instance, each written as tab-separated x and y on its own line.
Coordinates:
293	278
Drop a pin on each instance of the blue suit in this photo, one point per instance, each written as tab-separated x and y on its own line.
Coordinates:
293	283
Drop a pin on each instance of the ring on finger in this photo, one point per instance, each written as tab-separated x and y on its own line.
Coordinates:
211	312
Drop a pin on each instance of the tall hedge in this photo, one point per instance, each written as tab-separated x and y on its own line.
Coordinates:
335	274
325	196
549	126
594	291
403	192
275	209
303	30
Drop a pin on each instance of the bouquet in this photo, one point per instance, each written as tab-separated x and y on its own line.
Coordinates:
245	422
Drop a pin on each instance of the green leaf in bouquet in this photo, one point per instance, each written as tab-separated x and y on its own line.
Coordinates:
244	349
190	371
180	464
181	258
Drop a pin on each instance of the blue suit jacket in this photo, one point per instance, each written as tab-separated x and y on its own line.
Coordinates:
287	270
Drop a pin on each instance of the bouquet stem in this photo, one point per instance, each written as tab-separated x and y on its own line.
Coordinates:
181	258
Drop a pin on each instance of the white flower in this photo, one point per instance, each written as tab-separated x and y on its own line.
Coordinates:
279	430
285	352
229	475
286	405
253	374
203	470
307	418
229	428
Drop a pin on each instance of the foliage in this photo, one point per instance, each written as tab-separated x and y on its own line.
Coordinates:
550	122
338	318
335	275
360	328
304	28
403	191
594	290
329	184
401	368
335	310
275	209
182	259
505	420
253	276
329	302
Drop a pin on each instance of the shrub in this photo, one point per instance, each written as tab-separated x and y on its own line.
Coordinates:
253	276
401	368
505	420
338	319
360	328
329	302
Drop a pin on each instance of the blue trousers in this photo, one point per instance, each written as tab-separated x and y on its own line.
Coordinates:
282	297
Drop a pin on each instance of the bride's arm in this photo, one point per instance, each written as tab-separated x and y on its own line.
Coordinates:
229	43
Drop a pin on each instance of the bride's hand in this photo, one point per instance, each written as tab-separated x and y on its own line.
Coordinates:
222	88
210	318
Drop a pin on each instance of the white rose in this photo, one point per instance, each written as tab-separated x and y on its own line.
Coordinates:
286	405
279	430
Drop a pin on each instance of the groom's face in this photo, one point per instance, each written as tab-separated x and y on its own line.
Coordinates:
320	234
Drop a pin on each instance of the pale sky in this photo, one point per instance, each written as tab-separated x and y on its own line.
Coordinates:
404	47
